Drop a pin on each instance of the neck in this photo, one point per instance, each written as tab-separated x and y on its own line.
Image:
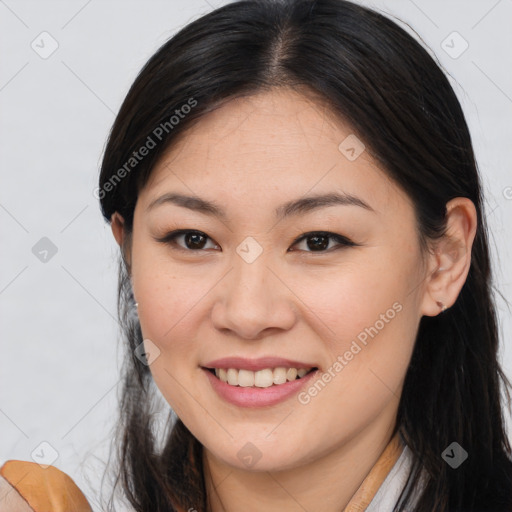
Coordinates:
331	479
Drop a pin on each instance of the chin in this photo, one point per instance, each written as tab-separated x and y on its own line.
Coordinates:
257	456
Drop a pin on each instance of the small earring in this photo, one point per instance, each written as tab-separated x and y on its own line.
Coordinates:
136	304
442	306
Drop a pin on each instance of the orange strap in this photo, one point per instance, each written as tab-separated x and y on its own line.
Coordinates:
45	489
371	484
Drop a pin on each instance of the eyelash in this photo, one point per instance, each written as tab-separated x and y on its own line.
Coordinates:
170	239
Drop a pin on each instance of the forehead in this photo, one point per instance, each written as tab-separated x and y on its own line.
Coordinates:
271	144
281	124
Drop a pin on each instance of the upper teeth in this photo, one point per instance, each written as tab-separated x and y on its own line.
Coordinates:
262	378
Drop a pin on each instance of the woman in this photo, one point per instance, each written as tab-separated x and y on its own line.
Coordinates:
222	169
305	275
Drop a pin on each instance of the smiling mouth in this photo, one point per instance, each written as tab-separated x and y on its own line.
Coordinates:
264	378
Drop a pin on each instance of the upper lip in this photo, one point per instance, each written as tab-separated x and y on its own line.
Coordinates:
242	363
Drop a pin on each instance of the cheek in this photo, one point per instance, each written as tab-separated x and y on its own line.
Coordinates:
370	342
167	305
166	292
371	317
351	297
159	302
168	309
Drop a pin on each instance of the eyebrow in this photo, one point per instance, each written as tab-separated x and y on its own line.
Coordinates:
295	207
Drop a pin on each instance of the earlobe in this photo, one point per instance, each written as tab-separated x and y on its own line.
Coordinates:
451	259
117	225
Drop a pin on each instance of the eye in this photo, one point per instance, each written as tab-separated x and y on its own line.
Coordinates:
192	240
318	241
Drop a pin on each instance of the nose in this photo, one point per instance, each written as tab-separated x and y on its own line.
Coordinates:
252	301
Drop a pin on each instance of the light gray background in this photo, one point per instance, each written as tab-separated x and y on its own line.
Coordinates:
60	361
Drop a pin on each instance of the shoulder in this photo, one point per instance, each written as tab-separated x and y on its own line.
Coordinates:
29	486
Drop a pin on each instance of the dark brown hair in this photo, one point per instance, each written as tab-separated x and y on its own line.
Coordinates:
384	84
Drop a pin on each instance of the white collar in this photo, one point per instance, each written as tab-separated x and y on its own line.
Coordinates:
388	493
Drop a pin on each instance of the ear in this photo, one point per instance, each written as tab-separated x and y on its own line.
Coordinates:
117	225
119	232
449	264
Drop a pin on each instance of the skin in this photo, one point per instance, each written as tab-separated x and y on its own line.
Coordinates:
250	156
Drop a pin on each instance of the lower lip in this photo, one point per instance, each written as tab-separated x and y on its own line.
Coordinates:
257	397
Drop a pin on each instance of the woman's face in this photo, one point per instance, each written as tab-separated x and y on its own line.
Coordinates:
246	285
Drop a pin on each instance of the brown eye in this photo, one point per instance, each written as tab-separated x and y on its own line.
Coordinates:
194	240
318	241
191	240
